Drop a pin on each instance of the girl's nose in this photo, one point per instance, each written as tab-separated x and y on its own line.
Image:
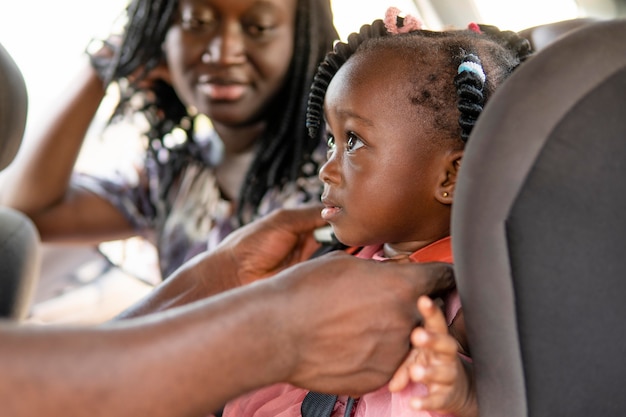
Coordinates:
329	172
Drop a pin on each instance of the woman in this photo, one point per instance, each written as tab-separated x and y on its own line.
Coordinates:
247	65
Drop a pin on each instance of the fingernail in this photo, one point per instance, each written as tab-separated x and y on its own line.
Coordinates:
419	336
418	372
416	403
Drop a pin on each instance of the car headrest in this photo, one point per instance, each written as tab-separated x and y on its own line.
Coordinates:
13	108
538	232
541	36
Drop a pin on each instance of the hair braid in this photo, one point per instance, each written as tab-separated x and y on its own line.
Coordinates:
484	56
329	67
469	82
147	23
520	46
285	147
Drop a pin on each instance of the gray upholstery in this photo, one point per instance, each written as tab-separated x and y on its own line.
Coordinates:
541	36
19	263
13	108
539	232
19	241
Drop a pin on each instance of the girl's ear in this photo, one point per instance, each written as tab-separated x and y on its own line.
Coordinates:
445	189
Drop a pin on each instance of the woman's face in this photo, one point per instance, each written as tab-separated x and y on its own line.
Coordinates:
229	58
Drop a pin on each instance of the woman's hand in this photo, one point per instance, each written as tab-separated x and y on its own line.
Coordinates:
101	54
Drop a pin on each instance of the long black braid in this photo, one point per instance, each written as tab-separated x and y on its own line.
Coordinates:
284	149
329	67
494	54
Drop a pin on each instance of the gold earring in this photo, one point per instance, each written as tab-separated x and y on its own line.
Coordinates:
445	194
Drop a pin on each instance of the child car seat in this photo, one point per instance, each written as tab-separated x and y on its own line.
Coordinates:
539	232
541	36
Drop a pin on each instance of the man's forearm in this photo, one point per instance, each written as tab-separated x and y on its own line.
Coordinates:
201	277
188	361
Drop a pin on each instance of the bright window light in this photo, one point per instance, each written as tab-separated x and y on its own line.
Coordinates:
349	17
521	15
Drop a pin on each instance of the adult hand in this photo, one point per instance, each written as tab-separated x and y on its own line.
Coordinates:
102	53
266	247
349	328
257	250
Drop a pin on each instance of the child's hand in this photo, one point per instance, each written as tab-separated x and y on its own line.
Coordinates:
434	362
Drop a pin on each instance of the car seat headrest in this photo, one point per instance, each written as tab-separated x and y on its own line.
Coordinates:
13	108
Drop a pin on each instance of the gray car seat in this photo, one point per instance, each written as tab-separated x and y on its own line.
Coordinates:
19	241
539	232
541	36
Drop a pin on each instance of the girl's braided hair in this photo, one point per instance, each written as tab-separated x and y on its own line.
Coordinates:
477	60
283	149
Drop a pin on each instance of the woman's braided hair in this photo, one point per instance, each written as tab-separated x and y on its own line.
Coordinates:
477	59
283	149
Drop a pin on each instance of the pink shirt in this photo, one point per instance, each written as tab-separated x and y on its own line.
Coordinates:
284	400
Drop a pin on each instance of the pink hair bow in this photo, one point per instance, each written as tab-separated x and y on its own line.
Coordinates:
409	23
474	28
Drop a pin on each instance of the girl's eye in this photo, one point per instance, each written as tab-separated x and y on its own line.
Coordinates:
354	142
330	142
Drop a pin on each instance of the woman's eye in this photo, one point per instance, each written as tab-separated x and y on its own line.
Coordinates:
195	24
353	143
259	30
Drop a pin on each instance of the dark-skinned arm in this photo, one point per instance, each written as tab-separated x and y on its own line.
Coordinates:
190	360
255	251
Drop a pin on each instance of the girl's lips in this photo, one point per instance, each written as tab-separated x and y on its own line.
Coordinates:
331	209
329	212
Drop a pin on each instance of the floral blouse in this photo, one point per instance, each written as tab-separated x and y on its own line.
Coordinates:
193	216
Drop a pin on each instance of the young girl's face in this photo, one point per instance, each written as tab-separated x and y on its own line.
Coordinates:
229	58
383	169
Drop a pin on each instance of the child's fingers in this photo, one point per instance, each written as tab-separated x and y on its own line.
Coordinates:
452	392
433	337
434	320
401	377
435	345
439	366
441	374
436	401
441	383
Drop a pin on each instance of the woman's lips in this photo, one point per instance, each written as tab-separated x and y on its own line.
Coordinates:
227	92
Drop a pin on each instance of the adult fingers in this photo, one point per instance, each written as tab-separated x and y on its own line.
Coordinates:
299	220
432	278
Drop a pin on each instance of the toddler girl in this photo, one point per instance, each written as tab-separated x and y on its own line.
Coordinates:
398	104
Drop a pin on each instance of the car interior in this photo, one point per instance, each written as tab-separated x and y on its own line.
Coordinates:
536	225
19	241
537	232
